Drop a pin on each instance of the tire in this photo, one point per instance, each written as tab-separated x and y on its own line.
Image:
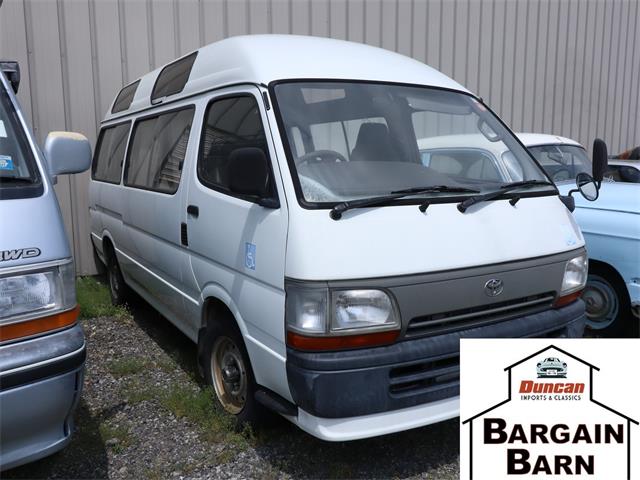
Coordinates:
228	369
608	306
118	289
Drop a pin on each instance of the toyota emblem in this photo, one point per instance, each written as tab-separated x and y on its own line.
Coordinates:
493	287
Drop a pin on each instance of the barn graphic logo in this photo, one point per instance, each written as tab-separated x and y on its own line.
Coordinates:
550	425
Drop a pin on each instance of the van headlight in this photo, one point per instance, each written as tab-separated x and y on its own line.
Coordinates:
576	271
320	318
37	293
360	309
575	275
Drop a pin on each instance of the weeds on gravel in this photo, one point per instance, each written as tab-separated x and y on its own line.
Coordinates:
198	407
94	300
117	437
127	366
136	393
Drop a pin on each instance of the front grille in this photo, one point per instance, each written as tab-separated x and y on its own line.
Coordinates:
430	376
447	322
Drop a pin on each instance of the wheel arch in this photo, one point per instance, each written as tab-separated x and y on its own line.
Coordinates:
610	272
218	306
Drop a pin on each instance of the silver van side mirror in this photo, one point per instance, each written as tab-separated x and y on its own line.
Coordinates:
67	152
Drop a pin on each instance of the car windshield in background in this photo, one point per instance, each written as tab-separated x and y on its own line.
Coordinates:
562	162
353	140
17	166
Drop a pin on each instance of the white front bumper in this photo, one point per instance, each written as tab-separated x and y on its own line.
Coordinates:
355	428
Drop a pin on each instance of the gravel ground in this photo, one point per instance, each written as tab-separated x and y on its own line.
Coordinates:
145	413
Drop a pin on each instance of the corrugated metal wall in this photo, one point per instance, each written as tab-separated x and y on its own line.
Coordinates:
567	67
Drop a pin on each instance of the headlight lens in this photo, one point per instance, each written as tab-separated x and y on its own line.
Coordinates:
309	311
38	291
575	275
358	309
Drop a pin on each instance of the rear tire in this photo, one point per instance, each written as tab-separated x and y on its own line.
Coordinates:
118	289
228	369
608	306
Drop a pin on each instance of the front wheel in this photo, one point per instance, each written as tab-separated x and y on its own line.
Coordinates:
228	369
607	304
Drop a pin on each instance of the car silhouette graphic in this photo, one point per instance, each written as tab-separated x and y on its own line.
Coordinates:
552	367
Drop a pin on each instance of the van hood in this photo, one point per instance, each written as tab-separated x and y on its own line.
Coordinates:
401	240
614	196
32	231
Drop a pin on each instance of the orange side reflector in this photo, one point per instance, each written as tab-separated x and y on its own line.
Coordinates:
567	299
302	342
39	325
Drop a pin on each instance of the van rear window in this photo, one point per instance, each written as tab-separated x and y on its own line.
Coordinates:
109	154
157	151
125	97
173	77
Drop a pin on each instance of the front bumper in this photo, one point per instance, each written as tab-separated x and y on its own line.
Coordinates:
417	378
40	386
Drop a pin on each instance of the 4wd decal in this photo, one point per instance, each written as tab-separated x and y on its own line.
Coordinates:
18	253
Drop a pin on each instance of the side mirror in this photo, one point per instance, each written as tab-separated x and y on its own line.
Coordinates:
587	186
249	174
67	152
600	159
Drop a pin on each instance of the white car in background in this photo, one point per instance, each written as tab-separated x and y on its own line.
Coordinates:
611	227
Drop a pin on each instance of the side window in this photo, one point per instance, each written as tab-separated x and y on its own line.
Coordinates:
125	97
158	148
109	154
173	77
230	123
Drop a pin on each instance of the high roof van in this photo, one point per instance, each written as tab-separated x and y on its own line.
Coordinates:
42	347
268	196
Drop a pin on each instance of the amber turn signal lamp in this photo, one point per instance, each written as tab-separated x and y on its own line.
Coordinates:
38	325
567	299
342	342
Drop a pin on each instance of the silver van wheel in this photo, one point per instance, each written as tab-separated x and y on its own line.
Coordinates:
601	301
229	375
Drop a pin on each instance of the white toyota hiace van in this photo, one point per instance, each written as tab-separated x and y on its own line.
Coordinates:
267	195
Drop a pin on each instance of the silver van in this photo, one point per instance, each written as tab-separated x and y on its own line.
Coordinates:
267	195
42	347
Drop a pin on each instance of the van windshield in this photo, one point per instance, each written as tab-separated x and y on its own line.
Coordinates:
352	140
17	165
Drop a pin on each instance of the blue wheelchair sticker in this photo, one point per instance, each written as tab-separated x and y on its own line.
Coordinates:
250	256
6	162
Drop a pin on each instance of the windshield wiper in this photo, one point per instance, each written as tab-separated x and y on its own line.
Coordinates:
502	189
337	211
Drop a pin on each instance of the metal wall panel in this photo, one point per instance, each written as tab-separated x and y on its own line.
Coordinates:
568	67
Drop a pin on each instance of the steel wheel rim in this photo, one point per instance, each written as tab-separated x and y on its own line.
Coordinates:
602	303
229	375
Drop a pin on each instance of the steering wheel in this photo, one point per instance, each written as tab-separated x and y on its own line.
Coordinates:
321	156
561	174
